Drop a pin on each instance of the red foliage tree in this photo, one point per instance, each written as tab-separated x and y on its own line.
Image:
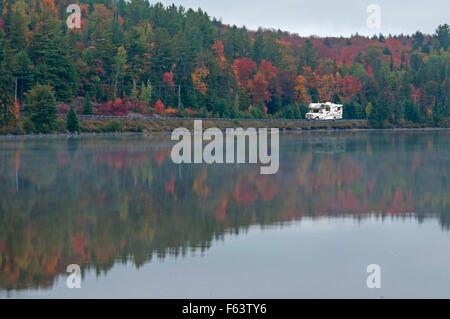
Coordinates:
312	77
268	69
138	106
168	78
120	107
159	107
349	85
258	88
63	108
117	107
85	8
369	70
244	69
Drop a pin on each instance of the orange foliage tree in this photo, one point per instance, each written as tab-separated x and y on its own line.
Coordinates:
326	87
300	88
159	107
219	51
198	77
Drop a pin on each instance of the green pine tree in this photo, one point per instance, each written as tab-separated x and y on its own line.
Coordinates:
49	52
87	106
41	108
72	121
377	116
134	92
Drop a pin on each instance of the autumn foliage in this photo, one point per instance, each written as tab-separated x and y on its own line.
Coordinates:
159	107
244	69
131	56
198	77
168	78
117	107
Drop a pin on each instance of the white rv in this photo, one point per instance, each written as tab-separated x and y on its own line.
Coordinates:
324	111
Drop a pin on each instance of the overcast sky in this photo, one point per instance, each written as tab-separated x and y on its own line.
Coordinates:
326	17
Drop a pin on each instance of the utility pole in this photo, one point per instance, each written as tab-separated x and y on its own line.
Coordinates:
15	91
179	97
308	97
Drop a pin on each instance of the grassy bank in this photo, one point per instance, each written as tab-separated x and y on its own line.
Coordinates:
167	125
98	125
108	125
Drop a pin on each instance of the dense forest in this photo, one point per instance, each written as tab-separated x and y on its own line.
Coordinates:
139	57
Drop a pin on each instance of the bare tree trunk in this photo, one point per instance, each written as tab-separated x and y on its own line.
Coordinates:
115	84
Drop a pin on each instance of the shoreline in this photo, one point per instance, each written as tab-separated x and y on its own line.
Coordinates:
155	127
150	126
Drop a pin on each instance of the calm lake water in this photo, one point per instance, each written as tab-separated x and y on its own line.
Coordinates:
140	226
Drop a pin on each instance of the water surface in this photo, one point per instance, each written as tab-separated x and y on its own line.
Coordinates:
141	226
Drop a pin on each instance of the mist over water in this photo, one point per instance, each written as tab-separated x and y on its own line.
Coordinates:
141	226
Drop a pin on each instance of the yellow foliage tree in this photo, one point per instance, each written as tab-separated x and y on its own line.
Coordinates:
300	88
198	77
326	87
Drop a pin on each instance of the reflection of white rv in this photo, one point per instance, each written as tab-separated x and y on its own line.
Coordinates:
324	111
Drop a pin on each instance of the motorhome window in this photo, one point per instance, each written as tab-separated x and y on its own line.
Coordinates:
328	108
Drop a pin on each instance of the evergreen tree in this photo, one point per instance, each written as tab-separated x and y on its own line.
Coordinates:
163	54
138	52
308	56
50	55
6	95
134	92
72	121
258	48
349	111
443	36
411	111
41	108
6	81
87	106
16	27
378	115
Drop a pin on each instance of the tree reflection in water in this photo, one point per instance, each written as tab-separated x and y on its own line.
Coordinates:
96	201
